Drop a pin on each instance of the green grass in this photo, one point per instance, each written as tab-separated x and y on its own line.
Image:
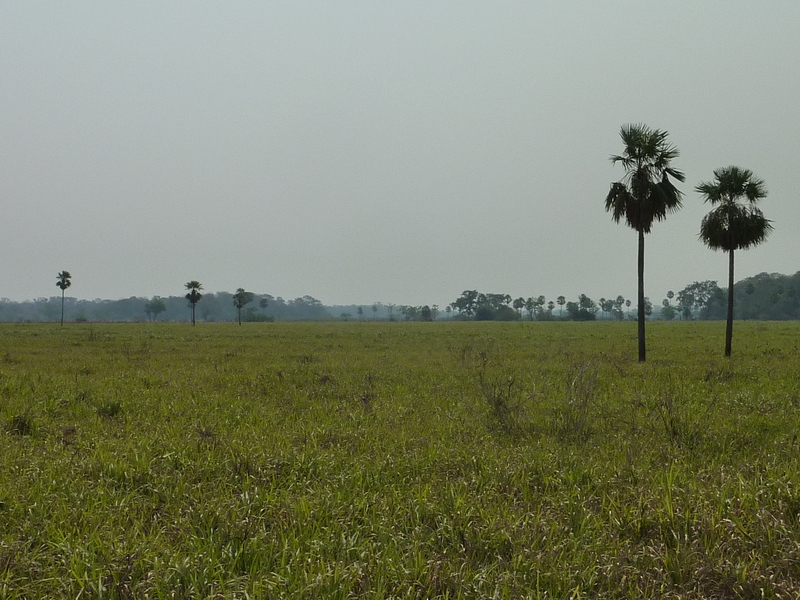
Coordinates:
399	460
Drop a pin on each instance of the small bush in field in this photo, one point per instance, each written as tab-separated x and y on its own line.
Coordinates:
109	409
21	425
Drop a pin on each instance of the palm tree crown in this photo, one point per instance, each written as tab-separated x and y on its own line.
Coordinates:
736	223
194	288
63	280
645	194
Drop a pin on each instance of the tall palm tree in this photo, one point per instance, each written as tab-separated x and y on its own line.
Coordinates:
63	280
736	223
194	295
645	194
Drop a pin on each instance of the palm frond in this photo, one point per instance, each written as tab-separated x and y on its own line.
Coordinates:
732	185
617	201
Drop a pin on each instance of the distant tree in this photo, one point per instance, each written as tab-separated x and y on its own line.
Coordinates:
263	303
409	312
487	307
360	312
587	303
518	305
154	307
685	303
374	312
550	306
561	301
670	296
700	295
434	311
345	316
609	306
538	304
241	299
390	309
530	306
448	309
194	295
617	311
736	223
645	194
583	310
648	307
425	313
667	311
467	303
63	281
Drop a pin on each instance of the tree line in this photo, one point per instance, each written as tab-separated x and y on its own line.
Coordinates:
766	296
699	300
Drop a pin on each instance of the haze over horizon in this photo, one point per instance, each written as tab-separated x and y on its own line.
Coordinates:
361	152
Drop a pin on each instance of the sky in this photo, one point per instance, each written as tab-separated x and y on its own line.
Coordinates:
362	151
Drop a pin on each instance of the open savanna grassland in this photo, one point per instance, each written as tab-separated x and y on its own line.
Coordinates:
399	460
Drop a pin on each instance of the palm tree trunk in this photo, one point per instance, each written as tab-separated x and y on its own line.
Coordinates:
641	297
729	326
62	307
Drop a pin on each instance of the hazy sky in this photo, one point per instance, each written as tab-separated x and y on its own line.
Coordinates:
380	151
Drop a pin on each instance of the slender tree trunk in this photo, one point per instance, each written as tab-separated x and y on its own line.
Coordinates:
240	317
192	314
62	307
729	326
642	352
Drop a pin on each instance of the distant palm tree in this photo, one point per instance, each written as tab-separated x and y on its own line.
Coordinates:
561	302
241	299
736	223
645	194
519	304
194	295
63	281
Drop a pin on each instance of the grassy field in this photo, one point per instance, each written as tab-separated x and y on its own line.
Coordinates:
399	460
